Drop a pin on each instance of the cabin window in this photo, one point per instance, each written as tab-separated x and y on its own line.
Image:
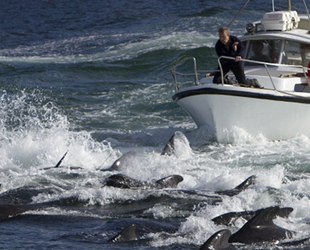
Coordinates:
305	54
259	51
291	53
264	50
296	53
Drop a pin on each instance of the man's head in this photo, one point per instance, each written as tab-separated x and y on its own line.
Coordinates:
224	35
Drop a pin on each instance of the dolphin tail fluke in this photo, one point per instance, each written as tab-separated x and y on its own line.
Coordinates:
127	234
218	241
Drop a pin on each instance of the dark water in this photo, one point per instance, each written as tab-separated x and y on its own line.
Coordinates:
92	78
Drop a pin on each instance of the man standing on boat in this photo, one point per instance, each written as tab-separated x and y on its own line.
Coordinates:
231	46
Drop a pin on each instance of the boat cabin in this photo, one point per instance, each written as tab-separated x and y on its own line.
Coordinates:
280	37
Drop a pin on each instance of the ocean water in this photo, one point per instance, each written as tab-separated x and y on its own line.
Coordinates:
92	78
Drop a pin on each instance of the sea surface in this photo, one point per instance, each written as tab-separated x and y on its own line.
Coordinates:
93	79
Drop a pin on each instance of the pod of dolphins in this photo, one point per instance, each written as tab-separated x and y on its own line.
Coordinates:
259	227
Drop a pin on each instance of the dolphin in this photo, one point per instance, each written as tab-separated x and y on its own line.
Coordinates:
123	181
117	164
170	181
241	187
227	218
218	198
12	210
261	228
218	241
127	234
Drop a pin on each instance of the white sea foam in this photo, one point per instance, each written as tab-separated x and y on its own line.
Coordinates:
37	139
129	48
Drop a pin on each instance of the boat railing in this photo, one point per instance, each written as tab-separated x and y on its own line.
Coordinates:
202	73
266	66
196	74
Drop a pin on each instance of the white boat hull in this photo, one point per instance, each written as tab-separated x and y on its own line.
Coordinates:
223	108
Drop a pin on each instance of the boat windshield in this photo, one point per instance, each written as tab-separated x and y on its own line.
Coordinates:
267	50
296	53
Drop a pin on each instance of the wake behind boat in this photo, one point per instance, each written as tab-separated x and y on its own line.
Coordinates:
276	103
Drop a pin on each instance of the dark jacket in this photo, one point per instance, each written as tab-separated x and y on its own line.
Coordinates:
222	50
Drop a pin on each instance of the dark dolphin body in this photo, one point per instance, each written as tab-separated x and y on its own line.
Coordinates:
241	187
261	228
123	181
14	202
258	229
227	218
170	181
218	241
12	210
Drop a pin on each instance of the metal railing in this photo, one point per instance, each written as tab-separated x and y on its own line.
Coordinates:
196	73
175	73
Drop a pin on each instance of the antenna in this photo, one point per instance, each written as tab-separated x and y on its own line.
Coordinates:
238	13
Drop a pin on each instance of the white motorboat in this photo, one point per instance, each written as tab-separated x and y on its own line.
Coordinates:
280	107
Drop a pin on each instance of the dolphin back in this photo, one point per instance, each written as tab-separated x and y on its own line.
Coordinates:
261	229
171	181
218	241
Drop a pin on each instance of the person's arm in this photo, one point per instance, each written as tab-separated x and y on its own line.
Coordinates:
239	48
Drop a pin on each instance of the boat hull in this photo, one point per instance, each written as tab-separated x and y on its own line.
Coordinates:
222	109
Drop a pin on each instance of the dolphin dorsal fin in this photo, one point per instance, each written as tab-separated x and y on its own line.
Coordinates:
218	241
248	182
264	217
127	234
60	161
169	147
241	187
261	228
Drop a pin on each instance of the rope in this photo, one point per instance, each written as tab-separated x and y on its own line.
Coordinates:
239	12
